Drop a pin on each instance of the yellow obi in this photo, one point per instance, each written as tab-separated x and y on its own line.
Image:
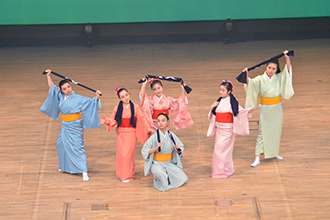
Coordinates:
270	101
162	157
71	117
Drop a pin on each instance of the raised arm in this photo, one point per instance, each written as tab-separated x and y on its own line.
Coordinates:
247	75
143	88
287	59
49	78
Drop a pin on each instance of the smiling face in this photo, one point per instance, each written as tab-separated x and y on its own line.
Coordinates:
66	89
224	93
124	97
162	121
271	69
157	88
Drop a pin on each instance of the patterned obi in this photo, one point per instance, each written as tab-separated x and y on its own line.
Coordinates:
71	117
224	117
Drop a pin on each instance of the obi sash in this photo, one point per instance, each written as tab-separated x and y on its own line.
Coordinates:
224	117
157	112
270	101
162	157
71	117
125	122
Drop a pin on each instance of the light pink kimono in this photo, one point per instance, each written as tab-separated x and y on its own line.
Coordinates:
222	160
126	140
181	116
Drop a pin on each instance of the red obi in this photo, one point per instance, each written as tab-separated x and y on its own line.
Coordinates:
157	112
125	122
224	117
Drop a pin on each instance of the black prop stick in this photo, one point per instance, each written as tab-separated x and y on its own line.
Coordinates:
242	77
71	80
168	78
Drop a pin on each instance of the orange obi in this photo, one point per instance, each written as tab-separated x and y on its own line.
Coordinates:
157	112
162	157
270	101
71	117
125	122
224	117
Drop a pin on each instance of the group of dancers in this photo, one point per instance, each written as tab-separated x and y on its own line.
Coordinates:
149	124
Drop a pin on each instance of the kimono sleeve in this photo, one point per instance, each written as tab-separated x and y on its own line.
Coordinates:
253	89
212	129
111	120
146	107
148	158
142	125
241	122
91	118
286	83
176	158
51	105
180	113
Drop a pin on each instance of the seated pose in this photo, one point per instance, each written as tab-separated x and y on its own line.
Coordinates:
162	153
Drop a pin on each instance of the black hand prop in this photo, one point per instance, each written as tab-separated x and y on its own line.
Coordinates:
74	82
168	78
242	77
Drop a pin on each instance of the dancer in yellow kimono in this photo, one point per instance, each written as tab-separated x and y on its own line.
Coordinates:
270	86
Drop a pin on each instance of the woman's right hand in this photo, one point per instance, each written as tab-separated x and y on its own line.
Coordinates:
145	81
214	104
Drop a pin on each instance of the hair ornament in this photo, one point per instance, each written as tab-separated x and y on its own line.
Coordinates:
117	89
150	81
232	84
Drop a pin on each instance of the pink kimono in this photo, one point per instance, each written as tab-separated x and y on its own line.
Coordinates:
152	106
225	126
126	139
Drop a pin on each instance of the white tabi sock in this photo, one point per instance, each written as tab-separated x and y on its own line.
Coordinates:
256	162
85	177
279	157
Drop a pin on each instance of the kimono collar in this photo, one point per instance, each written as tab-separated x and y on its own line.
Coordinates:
119	113
233	103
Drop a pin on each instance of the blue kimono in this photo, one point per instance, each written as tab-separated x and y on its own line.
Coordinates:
168	175
70	143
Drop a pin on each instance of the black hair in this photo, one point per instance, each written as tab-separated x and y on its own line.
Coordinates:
156	81
227	85
120	90
62	82
166	116
277	64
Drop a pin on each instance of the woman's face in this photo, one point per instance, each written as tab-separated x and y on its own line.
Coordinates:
66	89
157	89
271	69
124	97
223	91
162	122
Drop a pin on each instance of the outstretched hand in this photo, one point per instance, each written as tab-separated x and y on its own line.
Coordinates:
98	94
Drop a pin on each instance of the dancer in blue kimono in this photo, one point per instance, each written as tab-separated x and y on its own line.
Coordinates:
162	153
78	112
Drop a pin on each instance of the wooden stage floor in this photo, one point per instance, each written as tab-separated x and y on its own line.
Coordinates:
297	187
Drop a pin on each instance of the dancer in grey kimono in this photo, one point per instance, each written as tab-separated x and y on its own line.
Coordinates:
162	153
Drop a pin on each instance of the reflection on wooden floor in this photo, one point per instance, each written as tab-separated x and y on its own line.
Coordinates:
294	188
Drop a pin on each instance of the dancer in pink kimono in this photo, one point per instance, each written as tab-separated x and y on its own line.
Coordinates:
227	119
132	125
152	106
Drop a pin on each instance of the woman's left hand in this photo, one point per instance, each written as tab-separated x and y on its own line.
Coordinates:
98	94
285	53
